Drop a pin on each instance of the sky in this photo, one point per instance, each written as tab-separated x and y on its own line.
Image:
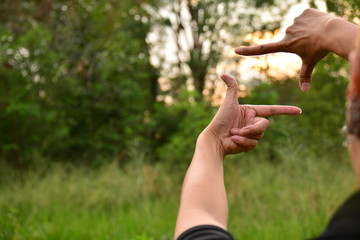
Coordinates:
279	65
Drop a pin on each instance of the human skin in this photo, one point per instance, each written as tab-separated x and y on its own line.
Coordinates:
354	93
312	36
234	129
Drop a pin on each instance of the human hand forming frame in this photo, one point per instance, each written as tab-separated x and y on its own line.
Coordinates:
312	36
203	200
235	128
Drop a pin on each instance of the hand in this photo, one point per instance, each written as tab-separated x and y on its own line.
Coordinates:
304	38
237	128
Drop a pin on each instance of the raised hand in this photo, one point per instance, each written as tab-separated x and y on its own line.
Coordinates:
237	128
312	36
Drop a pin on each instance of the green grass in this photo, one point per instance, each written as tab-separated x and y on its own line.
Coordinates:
292	198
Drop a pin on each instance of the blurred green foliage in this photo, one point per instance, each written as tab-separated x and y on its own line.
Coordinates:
318	130
74	80
77	85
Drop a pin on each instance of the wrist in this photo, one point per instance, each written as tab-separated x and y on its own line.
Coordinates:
328	31
208	142
338	36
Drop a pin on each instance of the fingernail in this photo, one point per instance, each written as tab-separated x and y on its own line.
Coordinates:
305	86
245	131
239	50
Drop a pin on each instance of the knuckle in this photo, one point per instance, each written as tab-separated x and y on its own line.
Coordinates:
272	111
286	44
245	50
289	30
305	77
240	141
267	124
261	49
307	11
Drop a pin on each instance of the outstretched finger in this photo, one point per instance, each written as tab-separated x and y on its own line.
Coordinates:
269	110
261	49
256	129
305	76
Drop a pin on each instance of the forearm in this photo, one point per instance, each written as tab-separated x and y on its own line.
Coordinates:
339	36
203	197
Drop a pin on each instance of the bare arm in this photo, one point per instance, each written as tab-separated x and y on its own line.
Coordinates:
339	36
353	111
312	36
203	198
234	129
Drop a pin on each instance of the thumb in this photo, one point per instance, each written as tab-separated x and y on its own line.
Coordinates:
232	87
305	76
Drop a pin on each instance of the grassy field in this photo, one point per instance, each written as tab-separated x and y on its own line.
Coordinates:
289	199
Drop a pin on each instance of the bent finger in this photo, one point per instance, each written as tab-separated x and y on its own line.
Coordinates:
261	49
237	132
255	136
305	76
244	142
258	127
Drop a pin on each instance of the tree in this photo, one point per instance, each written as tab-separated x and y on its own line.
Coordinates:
75	79
349	9
201	31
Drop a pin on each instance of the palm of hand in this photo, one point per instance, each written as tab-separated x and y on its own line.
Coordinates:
237	128
235	116
242	116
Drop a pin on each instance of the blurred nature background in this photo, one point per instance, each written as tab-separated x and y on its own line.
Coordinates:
101	103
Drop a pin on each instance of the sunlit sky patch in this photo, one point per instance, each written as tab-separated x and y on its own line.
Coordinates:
277	66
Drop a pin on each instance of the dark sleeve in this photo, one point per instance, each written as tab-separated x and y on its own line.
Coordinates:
345	224
205	232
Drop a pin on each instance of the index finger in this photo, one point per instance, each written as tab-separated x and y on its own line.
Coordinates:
261	49
269	110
